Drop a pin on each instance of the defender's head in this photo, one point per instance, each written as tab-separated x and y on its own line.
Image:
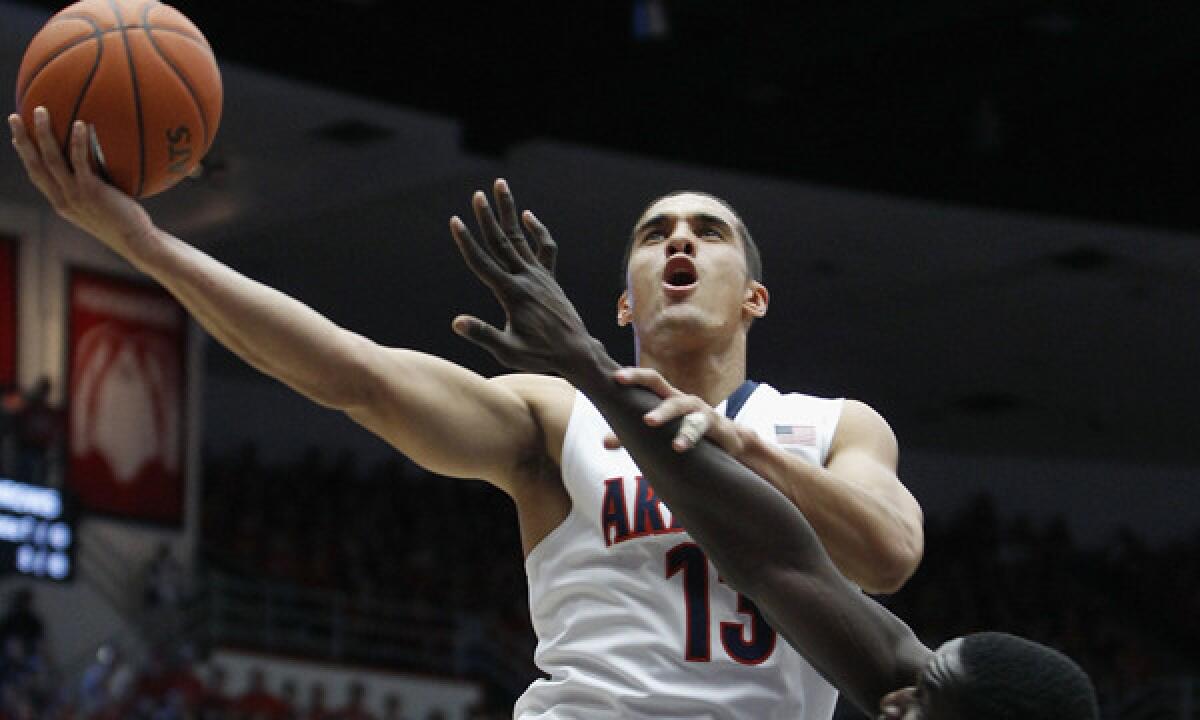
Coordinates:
691	267
995	676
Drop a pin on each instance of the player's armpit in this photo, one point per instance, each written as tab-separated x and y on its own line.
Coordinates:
447	418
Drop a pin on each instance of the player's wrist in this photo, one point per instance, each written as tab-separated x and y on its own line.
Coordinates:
587	365
143	244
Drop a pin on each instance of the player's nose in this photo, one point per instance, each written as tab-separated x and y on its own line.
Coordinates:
681	243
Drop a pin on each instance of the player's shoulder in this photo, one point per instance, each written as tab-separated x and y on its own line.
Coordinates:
549	398
856	422
799	401
862	426
533	386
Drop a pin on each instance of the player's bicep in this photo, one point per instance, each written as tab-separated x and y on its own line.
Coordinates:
878	477
446	418
865	453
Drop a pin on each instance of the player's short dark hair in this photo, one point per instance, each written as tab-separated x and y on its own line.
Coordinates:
754	266
1011	677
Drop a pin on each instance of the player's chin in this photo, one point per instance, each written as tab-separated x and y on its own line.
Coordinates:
682	322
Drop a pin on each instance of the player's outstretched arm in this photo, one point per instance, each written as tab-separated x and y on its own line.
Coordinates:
439	414
756	537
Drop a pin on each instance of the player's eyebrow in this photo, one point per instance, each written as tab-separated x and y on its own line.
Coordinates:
654	221
710	219
661	219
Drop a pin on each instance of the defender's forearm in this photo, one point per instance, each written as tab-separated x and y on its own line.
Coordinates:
734	514
763	546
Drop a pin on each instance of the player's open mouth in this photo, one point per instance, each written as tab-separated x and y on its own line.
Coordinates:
679	276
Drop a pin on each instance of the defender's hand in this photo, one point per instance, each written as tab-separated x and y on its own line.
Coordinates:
77	194
543	332
699	418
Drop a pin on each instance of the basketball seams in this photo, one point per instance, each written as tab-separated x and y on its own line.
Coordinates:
200	109
156	28
160	74
197	36
98	35
137	101
71	45
87	85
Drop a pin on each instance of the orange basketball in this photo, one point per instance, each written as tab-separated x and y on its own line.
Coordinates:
141	74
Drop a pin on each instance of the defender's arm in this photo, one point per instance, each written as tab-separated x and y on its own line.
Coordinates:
762	545
868	521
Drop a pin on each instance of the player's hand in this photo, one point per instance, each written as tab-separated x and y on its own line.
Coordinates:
543	332
699	418
77	194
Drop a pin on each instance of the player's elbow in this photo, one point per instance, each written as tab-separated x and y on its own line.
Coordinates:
894	563
346	378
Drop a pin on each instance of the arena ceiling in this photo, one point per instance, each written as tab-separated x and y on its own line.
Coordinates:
1083	108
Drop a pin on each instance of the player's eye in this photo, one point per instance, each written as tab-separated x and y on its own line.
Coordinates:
653	236
712	232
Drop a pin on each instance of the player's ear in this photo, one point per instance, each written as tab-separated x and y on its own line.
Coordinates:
756	301
624	309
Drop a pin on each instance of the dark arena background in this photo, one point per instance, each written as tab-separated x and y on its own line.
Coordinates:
980	218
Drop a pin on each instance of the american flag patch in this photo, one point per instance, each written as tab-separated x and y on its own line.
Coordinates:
796	436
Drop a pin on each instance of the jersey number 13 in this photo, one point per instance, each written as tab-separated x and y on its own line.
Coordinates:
748	646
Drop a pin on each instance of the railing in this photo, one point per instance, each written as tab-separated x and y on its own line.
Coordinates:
290	619
99	565
283	618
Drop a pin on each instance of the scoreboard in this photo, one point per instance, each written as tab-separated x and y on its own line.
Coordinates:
37	536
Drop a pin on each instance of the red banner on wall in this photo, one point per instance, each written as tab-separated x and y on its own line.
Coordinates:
8	311
126	398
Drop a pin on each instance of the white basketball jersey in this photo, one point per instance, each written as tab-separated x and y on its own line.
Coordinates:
631	618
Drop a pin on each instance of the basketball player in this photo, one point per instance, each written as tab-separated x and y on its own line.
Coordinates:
761	543
631	621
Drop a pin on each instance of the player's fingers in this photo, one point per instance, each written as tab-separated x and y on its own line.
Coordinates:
673	407
100	169
480	262
509	224
612	442
31	159
52	156
480	333
80	162
547	249
648	378
694	426
498	245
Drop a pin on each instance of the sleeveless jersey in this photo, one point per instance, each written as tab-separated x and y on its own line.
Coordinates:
632	619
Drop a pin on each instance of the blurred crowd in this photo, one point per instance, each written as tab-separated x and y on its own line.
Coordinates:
172	689
32	433
1125	611
392	532
160	685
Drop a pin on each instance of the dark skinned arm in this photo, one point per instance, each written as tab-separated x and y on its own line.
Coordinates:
761	544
